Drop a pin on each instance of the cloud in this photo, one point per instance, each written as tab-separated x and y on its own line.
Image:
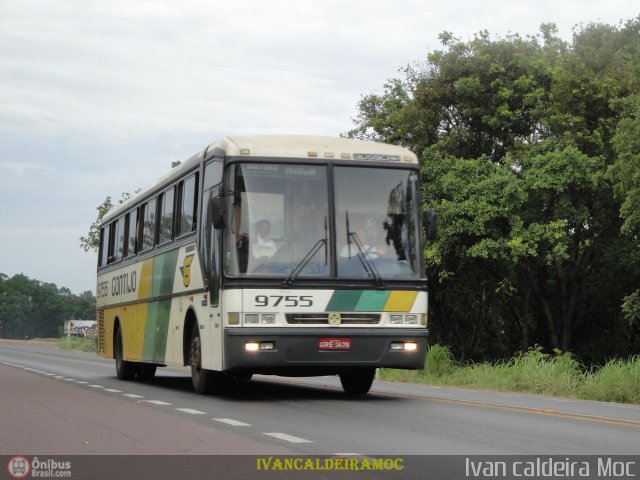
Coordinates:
97	98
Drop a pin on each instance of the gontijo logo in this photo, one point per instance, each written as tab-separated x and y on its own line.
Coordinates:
185	269
18	467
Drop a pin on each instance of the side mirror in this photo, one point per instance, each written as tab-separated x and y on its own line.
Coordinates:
429	222
218	212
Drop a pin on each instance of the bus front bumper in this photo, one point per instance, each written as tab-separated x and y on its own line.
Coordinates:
322	351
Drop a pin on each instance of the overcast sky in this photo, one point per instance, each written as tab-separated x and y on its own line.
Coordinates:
99	97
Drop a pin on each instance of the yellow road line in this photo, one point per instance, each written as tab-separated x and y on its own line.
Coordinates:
523	409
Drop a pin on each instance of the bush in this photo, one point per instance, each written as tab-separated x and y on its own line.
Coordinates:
557	374
77	343
617	381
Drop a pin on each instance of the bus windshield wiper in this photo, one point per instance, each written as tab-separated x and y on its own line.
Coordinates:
307	258
367	264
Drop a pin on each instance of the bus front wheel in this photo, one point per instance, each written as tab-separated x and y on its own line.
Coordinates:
124	369
357	382
201	379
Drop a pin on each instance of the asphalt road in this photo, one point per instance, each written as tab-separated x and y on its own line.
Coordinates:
67	403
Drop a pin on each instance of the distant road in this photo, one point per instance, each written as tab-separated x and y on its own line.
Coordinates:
67	402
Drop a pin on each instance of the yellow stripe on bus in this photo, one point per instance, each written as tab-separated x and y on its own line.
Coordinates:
146	277
400	301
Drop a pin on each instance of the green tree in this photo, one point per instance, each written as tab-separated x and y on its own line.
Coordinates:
92	240
517	136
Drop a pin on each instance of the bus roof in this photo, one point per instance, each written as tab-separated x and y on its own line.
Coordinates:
278	146
306	146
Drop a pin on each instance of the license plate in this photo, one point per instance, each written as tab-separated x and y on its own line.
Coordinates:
334	344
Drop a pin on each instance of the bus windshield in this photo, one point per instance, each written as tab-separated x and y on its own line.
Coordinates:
280	223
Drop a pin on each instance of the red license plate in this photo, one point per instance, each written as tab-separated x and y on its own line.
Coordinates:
334	344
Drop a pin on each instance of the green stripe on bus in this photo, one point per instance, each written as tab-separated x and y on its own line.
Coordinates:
372	301
156	331
164	270
344	301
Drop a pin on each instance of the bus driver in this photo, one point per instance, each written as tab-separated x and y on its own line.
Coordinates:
263	246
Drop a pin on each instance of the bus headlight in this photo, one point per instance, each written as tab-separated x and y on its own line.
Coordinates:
411	319
404	346
251	318
395	319
268	318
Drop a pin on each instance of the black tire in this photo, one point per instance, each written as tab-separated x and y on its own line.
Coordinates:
357	382
201	379
146	372
125	370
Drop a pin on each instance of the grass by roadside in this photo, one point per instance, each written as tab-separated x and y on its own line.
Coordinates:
557	374
77	343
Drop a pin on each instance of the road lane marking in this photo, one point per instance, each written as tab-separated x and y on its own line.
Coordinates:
191	411
288	438
132	395
155	402
82	383
69	380
231	421
585	417
112	390
96	386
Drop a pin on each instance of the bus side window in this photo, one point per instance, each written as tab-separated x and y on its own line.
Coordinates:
131	226
165	225
104	245
148	226
117	234
187	205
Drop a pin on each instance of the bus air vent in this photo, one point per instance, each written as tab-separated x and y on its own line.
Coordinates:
323	318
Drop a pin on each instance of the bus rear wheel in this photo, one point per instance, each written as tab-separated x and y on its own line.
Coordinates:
357	382
124	370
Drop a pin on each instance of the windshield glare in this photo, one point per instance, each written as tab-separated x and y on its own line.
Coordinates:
279	222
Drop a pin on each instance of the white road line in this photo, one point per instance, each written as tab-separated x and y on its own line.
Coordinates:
157	402
231	421
112	390
50	374
132	395
191	411
96	386
288	438
69	380
83	383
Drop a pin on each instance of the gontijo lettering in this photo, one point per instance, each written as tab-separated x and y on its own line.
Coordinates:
124	283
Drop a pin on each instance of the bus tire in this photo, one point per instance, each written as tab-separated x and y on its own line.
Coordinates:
146	372
201	379
125	370
358	381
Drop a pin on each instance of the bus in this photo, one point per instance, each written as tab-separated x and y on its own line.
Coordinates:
275	255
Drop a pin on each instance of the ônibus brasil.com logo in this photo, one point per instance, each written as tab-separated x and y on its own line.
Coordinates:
19	467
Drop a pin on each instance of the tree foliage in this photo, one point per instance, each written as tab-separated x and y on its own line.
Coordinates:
92	240
30	308
530	155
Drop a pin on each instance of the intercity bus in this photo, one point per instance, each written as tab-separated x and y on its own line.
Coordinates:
277	255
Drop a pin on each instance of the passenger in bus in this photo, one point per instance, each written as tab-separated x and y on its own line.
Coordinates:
262	245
